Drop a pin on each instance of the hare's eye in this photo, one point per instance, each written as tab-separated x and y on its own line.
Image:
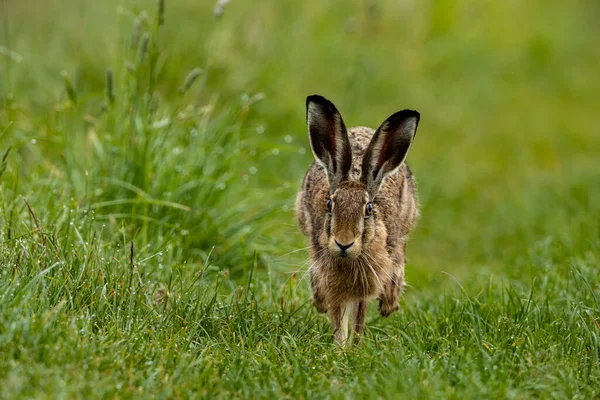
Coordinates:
329	205
368	209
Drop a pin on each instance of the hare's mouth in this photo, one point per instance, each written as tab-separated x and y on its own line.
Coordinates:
345	255
348	250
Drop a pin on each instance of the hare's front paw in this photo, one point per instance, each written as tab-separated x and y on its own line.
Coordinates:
319	305
387	307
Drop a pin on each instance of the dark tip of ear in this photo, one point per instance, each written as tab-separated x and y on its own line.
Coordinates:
315	98
404	115
322	103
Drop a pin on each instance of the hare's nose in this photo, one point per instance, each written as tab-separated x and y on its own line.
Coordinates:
343	247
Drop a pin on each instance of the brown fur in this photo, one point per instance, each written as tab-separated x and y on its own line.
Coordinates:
374	265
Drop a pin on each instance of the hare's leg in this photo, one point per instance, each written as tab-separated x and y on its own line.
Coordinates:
388	301
317	298
360	313
339	322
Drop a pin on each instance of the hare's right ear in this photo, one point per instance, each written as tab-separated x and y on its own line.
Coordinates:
328	139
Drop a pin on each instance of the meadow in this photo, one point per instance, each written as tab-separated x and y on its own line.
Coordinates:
150	154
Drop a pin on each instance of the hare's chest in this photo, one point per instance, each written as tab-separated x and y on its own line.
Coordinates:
357	280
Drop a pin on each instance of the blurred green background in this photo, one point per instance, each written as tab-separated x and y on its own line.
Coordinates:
134	175
507	149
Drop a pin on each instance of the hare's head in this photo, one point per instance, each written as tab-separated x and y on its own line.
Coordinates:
351	211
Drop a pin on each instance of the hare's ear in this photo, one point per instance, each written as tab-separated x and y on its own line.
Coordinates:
328	139
388	149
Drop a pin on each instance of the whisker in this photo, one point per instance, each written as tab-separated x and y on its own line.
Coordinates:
355	272
374	273
379	267
303	265
364	280
291	252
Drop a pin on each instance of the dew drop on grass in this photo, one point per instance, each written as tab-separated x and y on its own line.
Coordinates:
221	186
33	141
184	232
288	138
260	129
302	150
253	170
275	151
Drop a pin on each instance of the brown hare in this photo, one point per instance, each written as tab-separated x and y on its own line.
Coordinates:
357	205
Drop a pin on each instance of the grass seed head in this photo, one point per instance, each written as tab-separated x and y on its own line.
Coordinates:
4	163
189	80
130	67
220	8
144	44
154	104
161	12
137	29
110	91
69	87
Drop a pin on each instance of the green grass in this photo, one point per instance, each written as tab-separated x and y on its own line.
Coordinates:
147	241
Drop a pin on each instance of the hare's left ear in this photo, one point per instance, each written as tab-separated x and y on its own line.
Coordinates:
388	149
328	139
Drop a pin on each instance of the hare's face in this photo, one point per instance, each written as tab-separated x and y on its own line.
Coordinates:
350	217
350	224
